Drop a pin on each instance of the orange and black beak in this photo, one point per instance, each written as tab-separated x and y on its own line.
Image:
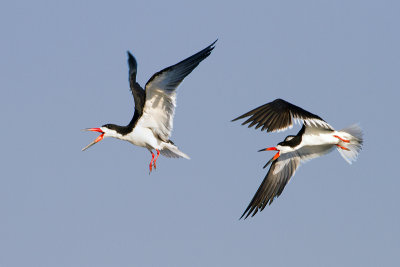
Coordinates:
99	138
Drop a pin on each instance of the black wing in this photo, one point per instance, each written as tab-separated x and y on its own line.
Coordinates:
169	78
282	169
279	114
138	93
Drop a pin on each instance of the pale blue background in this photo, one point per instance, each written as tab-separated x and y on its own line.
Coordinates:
63	68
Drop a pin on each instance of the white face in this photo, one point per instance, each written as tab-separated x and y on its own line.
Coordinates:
110	133
284	149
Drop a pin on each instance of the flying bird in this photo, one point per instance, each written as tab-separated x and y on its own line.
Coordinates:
315	139
152	120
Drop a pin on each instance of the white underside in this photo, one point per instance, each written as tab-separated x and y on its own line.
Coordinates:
320	138
314	137
145	137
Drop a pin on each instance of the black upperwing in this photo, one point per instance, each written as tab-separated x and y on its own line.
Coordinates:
160	84
279	114
138	93
169	78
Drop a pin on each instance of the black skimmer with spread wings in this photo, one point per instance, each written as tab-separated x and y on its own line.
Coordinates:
152	120
315	139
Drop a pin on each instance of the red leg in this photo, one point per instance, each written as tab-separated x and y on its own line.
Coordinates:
151	162
342	147
344	140
158	154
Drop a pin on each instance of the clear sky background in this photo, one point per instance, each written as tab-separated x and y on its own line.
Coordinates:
63	68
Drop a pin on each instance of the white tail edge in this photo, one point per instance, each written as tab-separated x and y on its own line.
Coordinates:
355	135
171	151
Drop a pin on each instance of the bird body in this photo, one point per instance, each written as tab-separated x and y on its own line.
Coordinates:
315	138
312	136
139	136
152	122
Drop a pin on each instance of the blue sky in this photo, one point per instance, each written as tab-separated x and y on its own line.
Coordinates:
63	68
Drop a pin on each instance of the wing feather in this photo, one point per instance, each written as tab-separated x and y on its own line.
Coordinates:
279	175
159	107
137	91
279	115
274	182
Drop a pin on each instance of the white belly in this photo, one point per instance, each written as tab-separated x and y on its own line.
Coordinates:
321	138
143	137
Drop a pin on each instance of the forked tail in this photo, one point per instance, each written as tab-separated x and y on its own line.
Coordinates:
353	134
171	151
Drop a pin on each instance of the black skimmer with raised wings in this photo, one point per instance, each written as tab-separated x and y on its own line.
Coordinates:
152	120
315	139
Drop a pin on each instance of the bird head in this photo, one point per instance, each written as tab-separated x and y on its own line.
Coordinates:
107	130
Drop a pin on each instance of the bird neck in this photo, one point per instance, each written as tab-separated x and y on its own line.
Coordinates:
128	128
296	140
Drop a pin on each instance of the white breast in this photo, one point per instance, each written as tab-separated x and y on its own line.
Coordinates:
142	136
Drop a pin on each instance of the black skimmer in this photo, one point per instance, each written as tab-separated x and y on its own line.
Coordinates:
315	139
152	120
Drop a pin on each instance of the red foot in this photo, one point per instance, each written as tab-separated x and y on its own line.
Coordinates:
342	147
158	154
344	140
151	162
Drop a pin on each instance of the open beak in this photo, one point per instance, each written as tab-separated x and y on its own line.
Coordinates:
99	138
274	158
